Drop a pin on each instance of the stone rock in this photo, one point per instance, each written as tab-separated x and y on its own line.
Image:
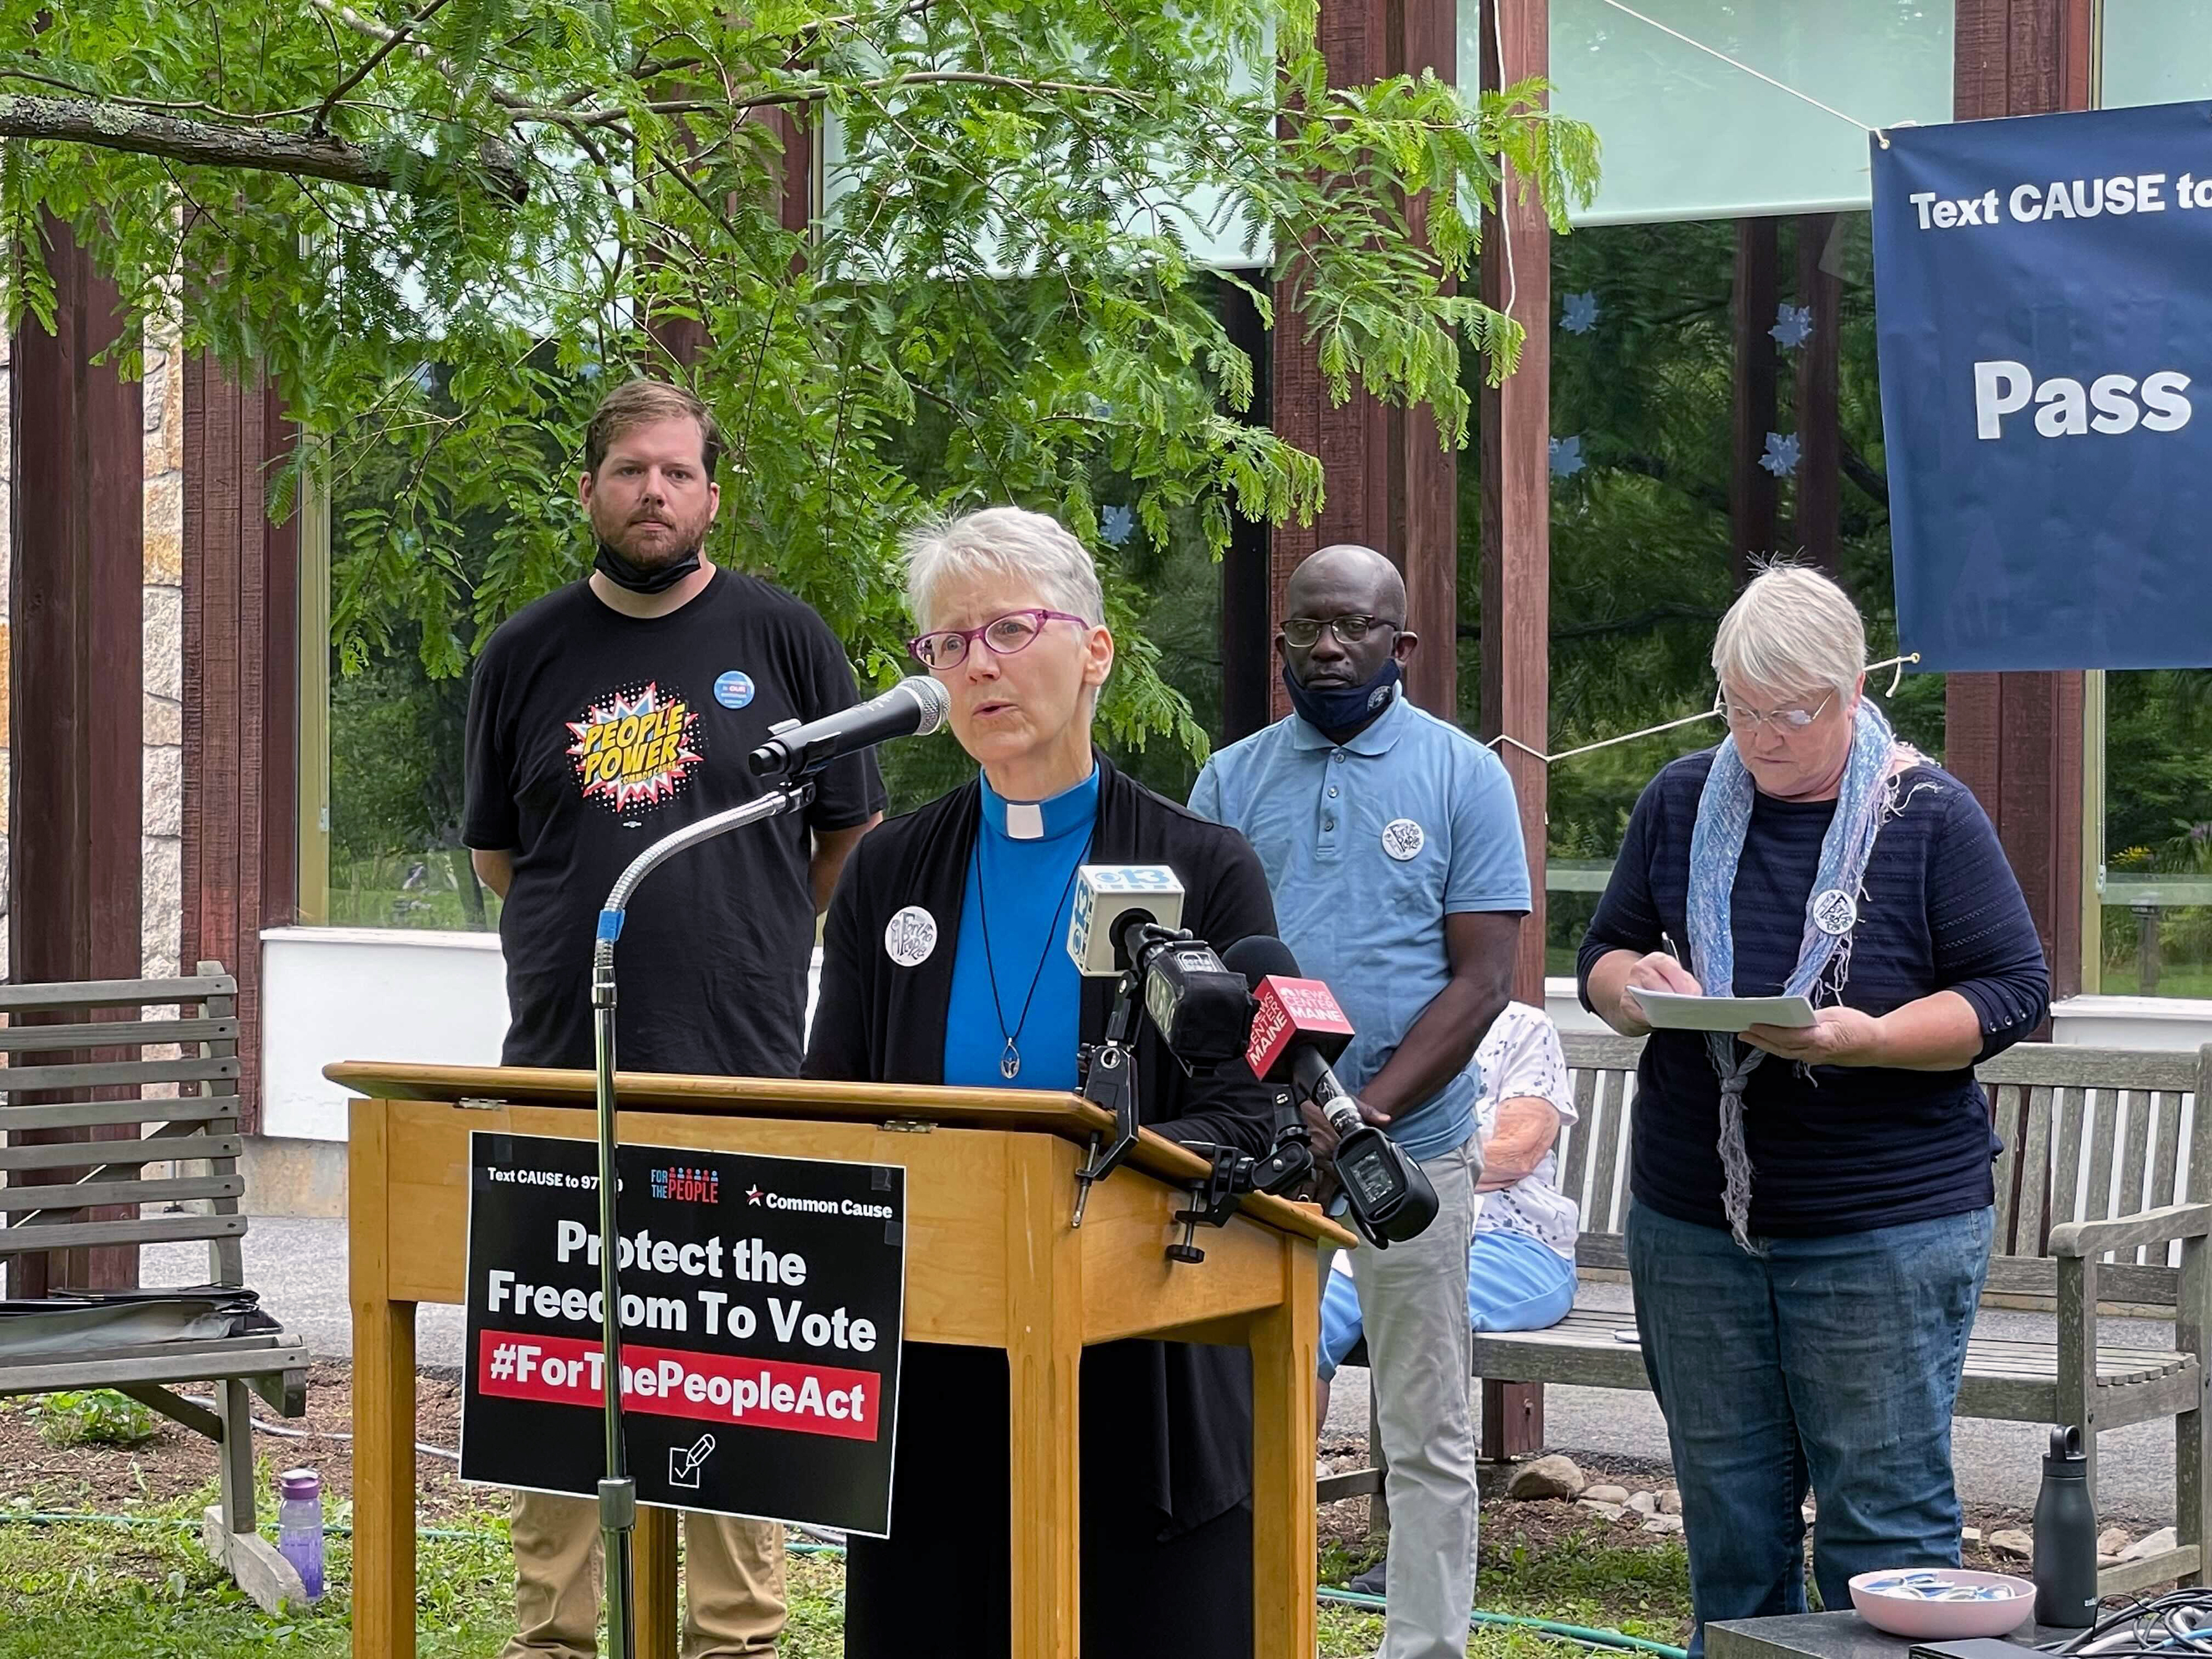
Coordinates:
1610	1511
1546	1477
1645	1503
162	527
2143	1548
2104	1561
162	889
164	774
164	634
1661	1523
1670	1501
2112	1541
165	720
1605	1494
1970	1534
2012	1542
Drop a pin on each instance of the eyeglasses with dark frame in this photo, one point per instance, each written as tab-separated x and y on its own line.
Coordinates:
1003	636
1783	720
1304	632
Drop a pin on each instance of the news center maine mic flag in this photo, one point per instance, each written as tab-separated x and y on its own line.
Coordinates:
2043	305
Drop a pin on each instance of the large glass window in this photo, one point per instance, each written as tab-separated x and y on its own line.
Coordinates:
2156	922
1647	367
1688	136
2155	51
2154	912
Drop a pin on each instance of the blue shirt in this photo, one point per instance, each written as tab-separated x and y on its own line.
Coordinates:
1369	845
1025	855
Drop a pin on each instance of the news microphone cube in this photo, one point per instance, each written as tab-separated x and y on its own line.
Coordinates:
1288	1011
1109	895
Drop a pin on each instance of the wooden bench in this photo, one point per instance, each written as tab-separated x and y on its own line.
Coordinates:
2099	1210
162	1165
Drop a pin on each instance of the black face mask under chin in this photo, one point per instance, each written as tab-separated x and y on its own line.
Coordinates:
1338	711
622	573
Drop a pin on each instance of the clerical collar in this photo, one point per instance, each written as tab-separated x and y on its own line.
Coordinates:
1061	814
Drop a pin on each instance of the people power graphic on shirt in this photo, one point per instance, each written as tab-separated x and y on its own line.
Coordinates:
637	745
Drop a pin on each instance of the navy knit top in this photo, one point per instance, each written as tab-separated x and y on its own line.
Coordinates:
1834	1148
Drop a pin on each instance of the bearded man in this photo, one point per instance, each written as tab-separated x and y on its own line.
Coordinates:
602	718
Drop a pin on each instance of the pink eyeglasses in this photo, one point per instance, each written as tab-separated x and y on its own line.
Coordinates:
1002	636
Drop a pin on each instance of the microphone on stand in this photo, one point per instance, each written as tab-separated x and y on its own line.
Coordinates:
916	706
1296	1030
788	761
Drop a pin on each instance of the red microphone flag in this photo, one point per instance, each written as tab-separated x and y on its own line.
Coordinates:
1289	1010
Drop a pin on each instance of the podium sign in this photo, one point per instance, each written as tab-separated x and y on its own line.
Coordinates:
763	1301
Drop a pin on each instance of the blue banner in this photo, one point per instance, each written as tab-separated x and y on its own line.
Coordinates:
2042	303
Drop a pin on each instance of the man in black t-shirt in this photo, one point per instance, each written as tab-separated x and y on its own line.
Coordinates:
602	718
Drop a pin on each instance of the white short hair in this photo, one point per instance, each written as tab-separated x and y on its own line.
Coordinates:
1791	629
1011	542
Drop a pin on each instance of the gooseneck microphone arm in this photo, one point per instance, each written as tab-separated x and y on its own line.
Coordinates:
617	1489
791	757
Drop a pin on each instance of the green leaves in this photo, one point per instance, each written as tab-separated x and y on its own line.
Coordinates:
999	296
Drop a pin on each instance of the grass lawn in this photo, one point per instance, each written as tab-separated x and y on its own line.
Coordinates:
146	1592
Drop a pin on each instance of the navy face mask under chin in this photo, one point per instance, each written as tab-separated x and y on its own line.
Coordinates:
1330	710
622	573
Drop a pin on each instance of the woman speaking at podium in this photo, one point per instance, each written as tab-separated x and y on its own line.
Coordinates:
945	962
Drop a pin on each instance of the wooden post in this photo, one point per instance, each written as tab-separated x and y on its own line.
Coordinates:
2015	739
2193	1312
1819	438
1044	1361
1751	313
74	819
682	340
1516	424
383	1400
1390	485
1284	1352
242	683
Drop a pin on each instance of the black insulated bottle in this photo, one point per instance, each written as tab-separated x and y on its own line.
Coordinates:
2065	1537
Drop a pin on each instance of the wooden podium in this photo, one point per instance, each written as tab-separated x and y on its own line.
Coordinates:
992	1261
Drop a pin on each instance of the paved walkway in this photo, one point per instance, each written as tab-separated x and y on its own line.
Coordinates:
300	1269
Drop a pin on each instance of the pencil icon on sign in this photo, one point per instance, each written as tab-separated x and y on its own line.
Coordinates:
684	1462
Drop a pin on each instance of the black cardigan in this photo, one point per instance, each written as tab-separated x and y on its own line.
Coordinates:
1182	1413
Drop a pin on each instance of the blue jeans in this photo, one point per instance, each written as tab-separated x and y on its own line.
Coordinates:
1829	1361
1513	1284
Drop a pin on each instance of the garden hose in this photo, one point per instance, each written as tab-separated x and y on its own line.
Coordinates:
1587	1635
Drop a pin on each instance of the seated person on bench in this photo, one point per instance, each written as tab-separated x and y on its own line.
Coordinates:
1521	1268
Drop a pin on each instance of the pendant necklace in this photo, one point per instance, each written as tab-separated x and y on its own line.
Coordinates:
1010	1062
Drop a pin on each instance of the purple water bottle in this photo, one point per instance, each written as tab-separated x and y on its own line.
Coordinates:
299	1526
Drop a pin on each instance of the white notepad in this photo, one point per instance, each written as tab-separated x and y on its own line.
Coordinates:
1669	1011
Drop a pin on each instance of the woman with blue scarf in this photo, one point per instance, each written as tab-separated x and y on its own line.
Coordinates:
1813	1207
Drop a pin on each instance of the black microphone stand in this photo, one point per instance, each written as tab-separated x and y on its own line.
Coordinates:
617	1489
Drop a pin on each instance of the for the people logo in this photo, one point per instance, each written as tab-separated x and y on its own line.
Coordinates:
683	1186
637	746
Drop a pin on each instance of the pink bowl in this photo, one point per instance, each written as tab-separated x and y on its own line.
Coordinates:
1906	1615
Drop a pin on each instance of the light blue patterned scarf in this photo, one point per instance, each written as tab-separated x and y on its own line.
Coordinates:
1831	912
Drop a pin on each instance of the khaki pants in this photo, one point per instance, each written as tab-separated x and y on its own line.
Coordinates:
1413	1302
733	1598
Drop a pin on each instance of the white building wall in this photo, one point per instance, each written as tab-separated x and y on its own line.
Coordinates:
334	993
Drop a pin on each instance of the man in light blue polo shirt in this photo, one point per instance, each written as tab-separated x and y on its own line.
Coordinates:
1393	844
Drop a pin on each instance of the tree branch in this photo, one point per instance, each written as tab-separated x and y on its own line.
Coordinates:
391	41
965	78
201	143
1855	468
